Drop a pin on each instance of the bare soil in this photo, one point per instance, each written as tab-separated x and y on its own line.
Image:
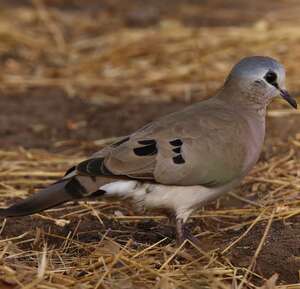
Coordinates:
41	117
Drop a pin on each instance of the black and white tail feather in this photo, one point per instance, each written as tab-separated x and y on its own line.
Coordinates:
71	187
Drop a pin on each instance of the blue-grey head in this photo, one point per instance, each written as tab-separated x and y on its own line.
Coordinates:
259	79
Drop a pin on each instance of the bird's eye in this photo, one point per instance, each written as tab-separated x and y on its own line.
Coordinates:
271	77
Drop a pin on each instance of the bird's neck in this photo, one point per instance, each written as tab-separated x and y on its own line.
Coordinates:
244	100
254	112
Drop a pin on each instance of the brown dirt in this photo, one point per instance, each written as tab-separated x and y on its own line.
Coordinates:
41	117
279	254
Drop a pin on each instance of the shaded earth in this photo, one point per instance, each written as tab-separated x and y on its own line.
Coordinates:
141	13
36	120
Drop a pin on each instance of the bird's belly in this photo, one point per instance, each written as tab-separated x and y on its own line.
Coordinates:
181	199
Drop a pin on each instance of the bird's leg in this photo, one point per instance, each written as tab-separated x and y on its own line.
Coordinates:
171	217
182	233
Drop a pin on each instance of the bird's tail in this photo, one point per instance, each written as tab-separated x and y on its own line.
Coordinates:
58	193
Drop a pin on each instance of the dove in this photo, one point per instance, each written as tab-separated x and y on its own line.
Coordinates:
182	160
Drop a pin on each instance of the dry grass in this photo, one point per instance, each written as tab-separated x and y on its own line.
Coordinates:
75	51
42	48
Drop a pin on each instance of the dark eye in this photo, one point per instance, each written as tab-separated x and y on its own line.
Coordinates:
271	77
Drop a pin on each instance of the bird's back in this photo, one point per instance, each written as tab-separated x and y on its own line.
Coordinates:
209	143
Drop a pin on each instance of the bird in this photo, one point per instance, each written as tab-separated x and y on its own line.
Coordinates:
180	161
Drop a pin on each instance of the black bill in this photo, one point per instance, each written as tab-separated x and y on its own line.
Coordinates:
285	95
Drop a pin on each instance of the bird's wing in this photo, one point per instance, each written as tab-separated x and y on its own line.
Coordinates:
199	145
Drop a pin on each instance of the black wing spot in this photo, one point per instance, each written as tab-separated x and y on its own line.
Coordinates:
176	143
149	148
178	159
177	150
116	144
147	142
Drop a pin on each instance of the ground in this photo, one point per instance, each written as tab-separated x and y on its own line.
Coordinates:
75	76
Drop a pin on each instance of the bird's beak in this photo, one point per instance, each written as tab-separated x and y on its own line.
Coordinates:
291	100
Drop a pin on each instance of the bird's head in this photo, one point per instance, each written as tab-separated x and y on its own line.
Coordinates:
260	79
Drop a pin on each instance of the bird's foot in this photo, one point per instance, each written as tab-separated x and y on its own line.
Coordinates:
182	234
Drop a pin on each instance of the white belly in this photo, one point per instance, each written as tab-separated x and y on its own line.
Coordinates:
181	199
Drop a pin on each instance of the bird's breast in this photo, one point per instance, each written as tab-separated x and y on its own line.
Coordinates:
254	140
